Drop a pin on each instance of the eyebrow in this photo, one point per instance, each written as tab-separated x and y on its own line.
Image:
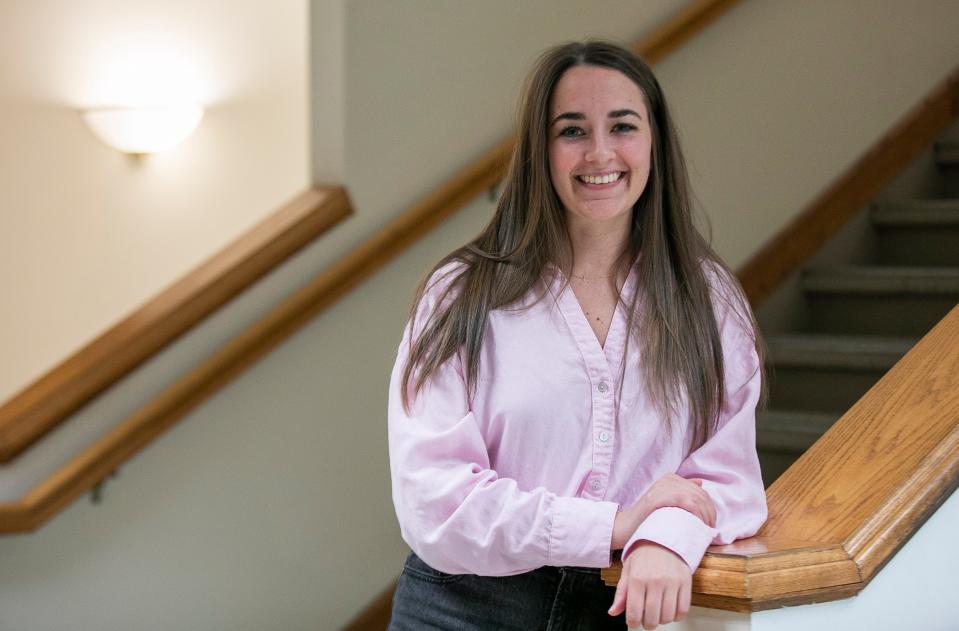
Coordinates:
578	116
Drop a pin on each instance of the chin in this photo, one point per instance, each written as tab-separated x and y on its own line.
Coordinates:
605	212
599	216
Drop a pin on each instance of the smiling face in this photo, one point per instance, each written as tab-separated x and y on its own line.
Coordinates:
599	144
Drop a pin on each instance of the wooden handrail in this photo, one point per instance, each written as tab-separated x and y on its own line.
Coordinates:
680	28
41	406
849	503
131	435
837	205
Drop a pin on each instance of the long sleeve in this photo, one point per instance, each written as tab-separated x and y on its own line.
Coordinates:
727	463
454	510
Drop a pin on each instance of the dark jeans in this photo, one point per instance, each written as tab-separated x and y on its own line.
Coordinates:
546	599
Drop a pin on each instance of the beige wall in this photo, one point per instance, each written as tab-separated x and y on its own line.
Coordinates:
269	506
782	96
87	235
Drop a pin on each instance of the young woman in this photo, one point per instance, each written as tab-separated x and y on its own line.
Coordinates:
580	378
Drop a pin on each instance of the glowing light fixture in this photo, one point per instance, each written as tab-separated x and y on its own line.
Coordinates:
143	130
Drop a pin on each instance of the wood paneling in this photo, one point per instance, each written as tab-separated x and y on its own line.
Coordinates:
809	230
56	395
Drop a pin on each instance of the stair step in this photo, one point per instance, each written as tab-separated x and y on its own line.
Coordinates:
919	232
828	373
792	431
879	300
916	213
783	435
882	280
844	352
947	153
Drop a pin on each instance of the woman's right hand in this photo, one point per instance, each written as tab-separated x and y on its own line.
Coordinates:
669	490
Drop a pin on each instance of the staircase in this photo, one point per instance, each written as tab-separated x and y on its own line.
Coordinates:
860	317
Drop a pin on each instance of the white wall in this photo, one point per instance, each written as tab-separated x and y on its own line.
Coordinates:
269	506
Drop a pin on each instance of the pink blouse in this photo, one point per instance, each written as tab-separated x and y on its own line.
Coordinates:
532	469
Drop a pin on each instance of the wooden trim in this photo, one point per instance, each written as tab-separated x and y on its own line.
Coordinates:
680	28
67	387
795	244
856	496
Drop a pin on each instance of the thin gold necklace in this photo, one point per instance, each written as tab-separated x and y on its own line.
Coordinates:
589	277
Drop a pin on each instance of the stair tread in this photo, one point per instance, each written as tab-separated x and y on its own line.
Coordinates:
916	212
817	350
791	430
881	279
947	152
799	421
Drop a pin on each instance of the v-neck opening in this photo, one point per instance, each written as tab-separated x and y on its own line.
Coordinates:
611	349
612	316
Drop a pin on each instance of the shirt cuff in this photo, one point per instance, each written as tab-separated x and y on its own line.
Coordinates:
581	532
675	529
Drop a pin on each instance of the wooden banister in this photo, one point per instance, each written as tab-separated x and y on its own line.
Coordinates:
850	502
131	435
59	393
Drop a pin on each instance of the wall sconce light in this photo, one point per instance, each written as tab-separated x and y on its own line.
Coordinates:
143	130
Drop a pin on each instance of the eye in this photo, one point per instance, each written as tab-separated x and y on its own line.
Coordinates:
624	127
571	132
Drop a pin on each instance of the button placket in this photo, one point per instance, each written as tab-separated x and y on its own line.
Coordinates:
603	420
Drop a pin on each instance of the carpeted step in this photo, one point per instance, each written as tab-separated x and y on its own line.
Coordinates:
947	154
879	300
783	435
918	232
828	373
947	157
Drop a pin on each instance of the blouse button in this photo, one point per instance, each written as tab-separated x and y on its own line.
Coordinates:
595	484
602	387
603	437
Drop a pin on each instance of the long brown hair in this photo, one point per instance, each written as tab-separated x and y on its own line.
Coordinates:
680	343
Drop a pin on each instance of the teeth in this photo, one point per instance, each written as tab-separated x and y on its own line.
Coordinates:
600	179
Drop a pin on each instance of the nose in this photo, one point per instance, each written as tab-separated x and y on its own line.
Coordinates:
599	149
